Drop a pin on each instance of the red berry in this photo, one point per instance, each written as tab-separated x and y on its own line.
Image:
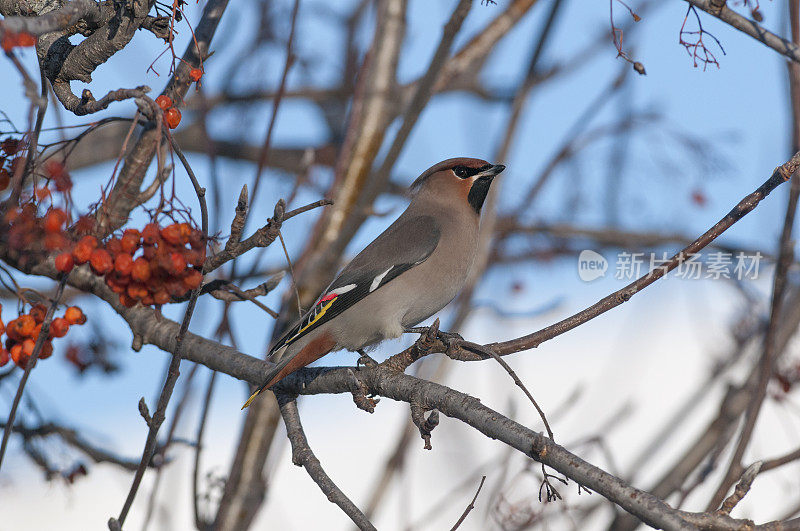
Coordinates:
161	297
16	355
47	350
195	74
196	257
38	312
21	327
114	246
54	169
54	220
89	241
130	240
192	279
65	262
82	252
74	316
150	233
137	290
27	349
59	174
172	234
140	270
177	263
112	281
186	232
123	264
4	356
101	261
174	287
59	327
164	101
54	241
126	300
173	117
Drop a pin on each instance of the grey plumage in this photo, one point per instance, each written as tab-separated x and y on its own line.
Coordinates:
407	274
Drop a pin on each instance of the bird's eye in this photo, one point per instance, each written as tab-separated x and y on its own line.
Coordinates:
461	172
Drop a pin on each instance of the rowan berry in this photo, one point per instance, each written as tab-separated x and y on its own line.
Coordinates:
74	316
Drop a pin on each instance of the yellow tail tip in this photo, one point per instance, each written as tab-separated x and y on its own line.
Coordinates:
250	400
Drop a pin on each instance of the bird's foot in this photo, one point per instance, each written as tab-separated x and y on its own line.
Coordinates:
431	333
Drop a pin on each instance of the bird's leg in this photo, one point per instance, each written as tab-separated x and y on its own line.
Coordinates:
365	360
432	332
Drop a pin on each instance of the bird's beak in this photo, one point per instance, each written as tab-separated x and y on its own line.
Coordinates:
491	172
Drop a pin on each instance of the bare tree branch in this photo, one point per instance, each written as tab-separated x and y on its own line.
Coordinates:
302	455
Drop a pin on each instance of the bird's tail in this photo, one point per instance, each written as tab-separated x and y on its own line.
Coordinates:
268	380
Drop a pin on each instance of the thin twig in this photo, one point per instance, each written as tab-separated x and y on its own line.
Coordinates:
781	174
161	452
470	506
751	28
742	488
263	155
199	522
291	275
521	385
174	367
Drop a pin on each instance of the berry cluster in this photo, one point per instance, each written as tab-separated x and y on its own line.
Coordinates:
172	116
22	333
29	232
10	40
164	268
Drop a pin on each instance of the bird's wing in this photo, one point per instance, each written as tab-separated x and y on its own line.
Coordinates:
406	243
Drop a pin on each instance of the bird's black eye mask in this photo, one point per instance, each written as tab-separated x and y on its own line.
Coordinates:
463	172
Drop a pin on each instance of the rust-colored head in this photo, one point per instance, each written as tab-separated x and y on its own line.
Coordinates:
465	178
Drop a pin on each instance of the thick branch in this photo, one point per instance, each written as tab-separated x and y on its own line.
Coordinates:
57	19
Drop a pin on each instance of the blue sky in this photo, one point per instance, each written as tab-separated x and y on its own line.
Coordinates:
740	110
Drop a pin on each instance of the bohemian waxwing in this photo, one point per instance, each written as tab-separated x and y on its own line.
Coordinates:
407	274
